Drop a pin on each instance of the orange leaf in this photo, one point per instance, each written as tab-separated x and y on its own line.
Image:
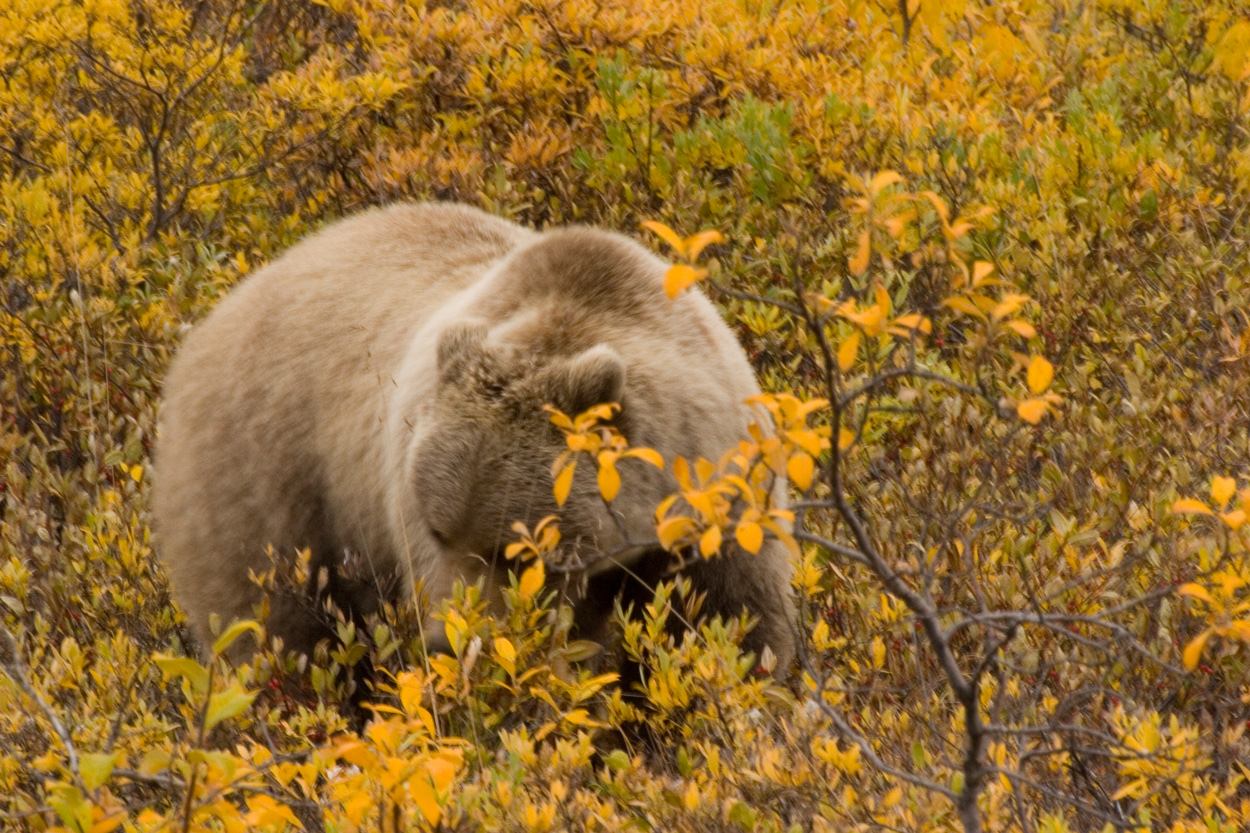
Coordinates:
750	537
609	477
1189	506
647	455
883	180
883	300
1040	374
667	235
532	579
847	350
859	262
1235	519
564	482
905	324
1193	651
697	243
1195	590
1222	489
680	277
800	468
1032	410
709	541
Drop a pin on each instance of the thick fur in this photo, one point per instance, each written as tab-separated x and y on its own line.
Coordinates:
378	390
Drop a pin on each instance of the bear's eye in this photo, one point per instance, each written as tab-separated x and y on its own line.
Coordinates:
438	537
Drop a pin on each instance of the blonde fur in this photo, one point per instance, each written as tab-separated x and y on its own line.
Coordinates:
378	390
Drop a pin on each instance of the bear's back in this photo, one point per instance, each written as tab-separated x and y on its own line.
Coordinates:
276	402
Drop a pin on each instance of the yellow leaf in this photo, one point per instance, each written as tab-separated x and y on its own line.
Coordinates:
609	477
1189	506
667	235
1222	489
800	468
672	530
559	418
227	704
939	205
859	262
1023	328
1232	50
680	277
1031	410
957	229
1134	787
136	473
581	717
869	320
847	350
963	304
563	483
913	321
709	541
1193	651
442	768
845	438
697	243
648	455
750	537
107	821
980	271
426	800
232	633
531	580
1040	374
1009	304
505	654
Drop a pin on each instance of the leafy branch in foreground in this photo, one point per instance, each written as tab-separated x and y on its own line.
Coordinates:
978	582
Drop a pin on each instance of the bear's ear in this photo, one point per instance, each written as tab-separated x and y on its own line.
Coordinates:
460	346
590	378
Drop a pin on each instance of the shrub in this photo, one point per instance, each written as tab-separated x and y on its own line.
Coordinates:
988	260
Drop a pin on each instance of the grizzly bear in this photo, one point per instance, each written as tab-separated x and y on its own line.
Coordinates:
378	392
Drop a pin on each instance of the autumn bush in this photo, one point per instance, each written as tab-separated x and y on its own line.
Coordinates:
989	261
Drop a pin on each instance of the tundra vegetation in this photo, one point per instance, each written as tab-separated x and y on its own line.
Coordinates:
989	260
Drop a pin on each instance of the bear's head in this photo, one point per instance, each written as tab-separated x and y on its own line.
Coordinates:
482	454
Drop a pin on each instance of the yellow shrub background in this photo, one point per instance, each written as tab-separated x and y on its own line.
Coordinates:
152	153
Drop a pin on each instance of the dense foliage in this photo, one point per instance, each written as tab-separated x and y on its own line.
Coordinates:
989	259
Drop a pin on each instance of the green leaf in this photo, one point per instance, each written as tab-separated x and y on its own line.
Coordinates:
95	768
617	760
742	815
69	804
